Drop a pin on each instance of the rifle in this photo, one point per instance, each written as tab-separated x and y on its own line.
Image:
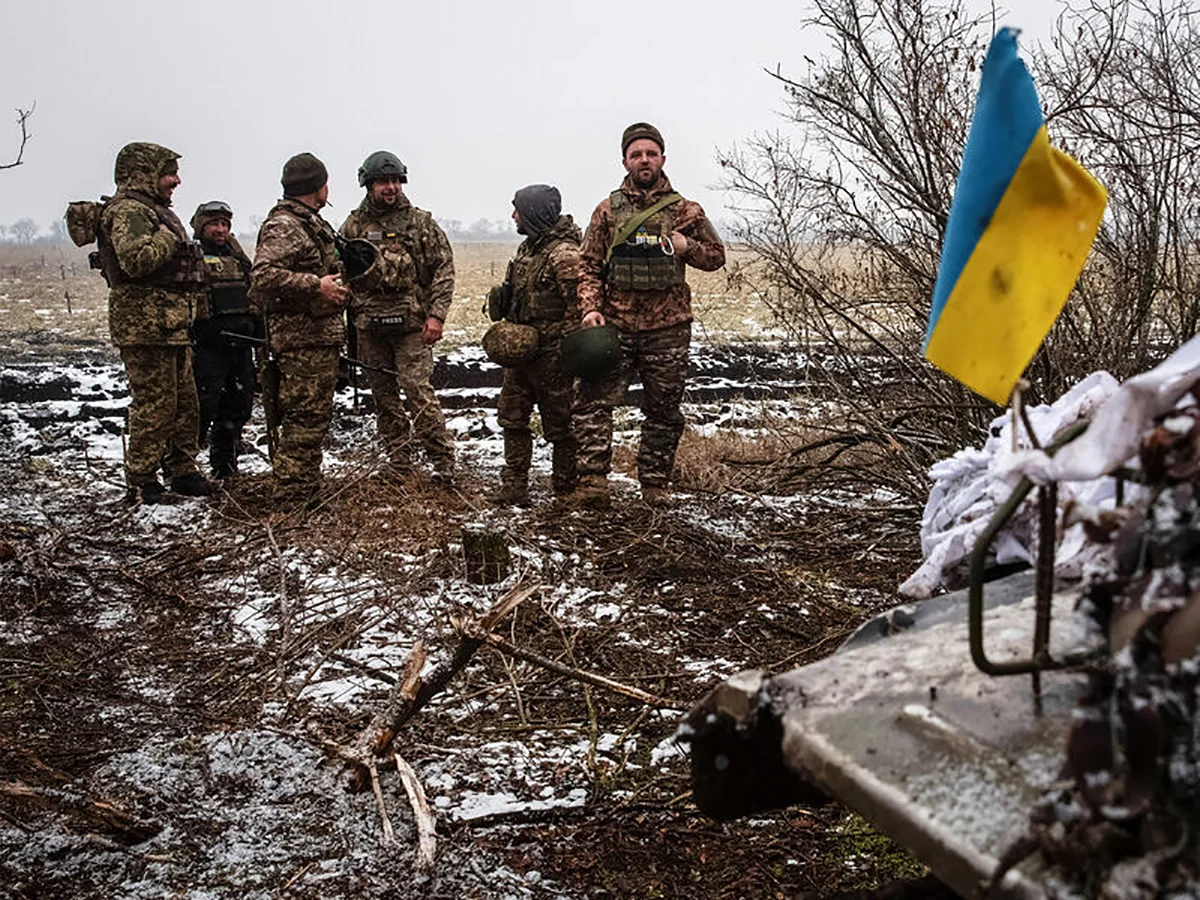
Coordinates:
348	360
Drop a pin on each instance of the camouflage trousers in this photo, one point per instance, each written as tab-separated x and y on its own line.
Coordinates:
307	379
419	413
659	359
543	382
164	414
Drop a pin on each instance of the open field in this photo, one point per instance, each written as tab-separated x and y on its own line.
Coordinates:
171	678
47	295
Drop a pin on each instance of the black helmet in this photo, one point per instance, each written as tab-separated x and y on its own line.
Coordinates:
358	256
381	164
591	353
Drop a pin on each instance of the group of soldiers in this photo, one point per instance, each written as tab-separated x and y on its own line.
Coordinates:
187	314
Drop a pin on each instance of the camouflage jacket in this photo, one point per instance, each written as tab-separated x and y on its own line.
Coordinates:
417	259
645	310
544	275
144	314
295	249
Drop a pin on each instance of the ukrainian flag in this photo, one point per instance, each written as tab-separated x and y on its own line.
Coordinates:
1023	219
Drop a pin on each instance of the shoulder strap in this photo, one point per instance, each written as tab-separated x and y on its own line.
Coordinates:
637	219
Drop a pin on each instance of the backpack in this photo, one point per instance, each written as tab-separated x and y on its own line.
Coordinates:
83	220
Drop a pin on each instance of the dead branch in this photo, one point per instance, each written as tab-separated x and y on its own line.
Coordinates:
494	640
22	123
414	692
385	821
97	815
422	815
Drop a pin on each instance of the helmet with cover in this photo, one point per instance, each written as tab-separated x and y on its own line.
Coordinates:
381	164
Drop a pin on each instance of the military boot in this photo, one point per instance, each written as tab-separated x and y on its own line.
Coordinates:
398	467
148	493
592	492
193	484
656	496
563	475
512	492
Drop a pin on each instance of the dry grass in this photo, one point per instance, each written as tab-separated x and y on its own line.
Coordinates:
49	296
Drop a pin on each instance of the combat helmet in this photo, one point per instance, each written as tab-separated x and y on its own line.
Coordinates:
361	264
381	164
591	353
509	344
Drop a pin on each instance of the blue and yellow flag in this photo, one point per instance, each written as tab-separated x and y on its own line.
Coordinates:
1023	219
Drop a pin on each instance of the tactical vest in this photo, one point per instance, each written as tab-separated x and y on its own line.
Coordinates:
646	261
395	244
184	271
536	295
228	284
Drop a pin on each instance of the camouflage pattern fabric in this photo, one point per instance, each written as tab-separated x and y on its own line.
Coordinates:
307	379
130	224
659	359
163	413
419	415
417	259
634	311
544	275
418	282
295	248
543	382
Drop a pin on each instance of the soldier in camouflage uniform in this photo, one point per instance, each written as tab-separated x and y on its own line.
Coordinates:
296	286
541	292
224	364
155	279
632	276
400	316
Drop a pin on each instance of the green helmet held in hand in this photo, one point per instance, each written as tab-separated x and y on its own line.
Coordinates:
381	164
591	353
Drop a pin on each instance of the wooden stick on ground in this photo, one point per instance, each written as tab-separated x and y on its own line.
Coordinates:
499	643
389	834
422	815
414	692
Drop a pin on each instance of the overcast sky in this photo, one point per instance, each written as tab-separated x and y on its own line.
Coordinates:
477	99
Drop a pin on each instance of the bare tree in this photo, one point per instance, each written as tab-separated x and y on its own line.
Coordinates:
22	123
24	230
58	231
845	210
1121	82
845	214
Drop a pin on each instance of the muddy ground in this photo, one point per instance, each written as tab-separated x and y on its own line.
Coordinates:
171	678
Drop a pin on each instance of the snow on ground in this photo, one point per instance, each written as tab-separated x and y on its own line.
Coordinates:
249	807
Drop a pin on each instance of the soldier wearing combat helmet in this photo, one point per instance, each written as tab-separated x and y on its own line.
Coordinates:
296	286
638	244
154	278
398	309
539	294
225	331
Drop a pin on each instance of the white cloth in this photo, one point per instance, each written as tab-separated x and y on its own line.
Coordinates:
970	485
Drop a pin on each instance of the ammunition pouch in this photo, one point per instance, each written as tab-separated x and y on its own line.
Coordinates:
499	302
644	267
